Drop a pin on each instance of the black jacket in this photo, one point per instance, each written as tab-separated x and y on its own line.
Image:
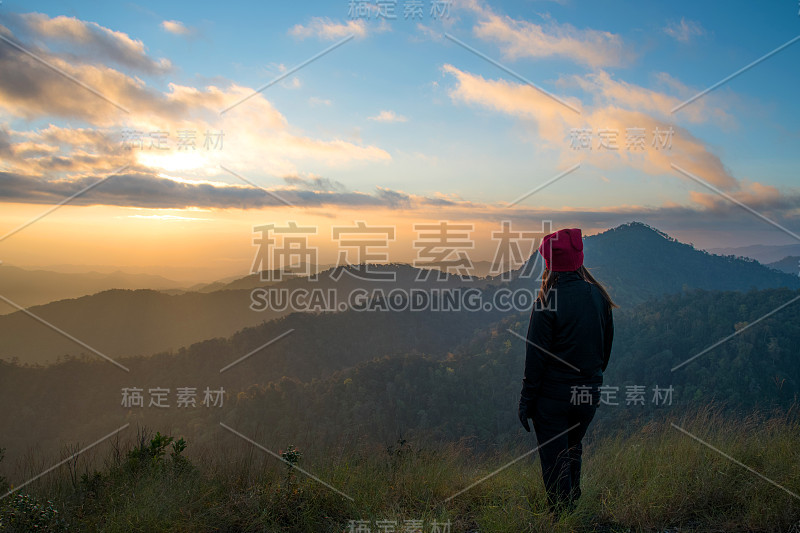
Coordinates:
569	340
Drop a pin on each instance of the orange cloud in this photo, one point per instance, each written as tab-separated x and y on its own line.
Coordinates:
607	91
388	116
258	139
520	38
554	123
93	39
176	27
753	194
327	29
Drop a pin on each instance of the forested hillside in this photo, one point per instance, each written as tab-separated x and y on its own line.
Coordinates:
444	375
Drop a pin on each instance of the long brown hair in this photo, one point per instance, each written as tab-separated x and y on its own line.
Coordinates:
550	278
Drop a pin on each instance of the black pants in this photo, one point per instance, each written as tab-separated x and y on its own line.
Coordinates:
560	448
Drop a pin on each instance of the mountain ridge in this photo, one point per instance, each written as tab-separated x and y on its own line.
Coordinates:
636	262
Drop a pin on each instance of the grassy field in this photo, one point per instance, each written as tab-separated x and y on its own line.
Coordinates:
657	478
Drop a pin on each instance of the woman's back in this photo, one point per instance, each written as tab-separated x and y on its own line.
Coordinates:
576	326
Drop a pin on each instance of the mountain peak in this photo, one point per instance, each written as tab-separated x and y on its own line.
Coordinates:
640	228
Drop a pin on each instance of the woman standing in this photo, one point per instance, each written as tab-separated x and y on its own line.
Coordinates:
568	347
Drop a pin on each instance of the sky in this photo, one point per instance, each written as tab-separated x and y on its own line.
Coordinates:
193	123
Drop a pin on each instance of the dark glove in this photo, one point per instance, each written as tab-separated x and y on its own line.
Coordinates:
525	412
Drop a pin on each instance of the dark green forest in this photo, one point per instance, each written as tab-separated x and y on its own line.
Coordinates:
324	381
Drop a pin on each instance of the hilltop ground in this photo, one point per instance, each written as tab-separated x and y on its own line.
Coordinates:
657	479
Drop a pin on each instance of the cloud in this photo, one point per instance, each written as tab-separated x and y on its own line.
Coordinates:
606	90
68	151
29	89
520	38
758	196
684	30
314	183
293	83
327	29
395	199
49	164
258	139
314	101
166	217
554	123
5	142
176	27
91	40
388	116
428	32
143	188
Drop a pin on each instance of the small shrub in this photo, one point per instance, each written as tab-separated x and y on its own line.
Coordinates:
90	484
292	458
151	454
25	513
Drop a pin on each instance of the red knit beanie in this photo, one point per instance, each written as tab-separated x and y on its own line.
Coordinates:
563	250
